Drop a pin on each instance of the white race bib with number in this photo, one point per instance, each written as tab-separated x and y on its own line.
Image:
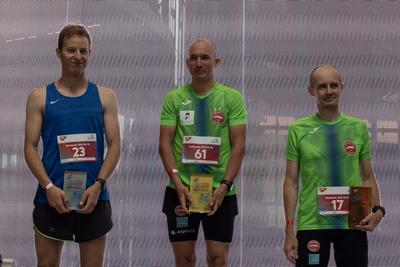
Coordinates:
77	147
333	200
201	150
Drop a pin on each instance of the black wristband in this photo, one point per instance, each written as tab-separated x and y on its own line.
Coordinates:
102	182
227	183
382	209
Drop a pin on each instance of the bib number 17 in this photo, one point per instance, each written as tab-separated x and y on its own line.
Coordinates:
337	204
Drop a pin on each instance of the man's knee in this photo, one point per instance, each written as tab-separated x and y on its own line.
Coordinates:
217	253
185	260
217	260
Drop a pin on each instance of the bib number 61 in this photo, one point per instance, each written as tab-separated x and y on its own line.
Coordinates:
200	154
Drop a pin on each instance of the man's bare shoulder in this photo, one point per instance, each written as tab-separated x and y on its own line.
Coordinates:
106	91
107	95
38	92
37	96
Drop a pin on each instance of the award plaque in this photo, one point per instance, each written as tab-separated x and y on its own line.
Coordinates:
201	192
74	187
359	204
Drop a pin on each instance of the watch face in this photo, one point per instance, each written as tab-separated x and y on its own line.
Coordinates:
376	208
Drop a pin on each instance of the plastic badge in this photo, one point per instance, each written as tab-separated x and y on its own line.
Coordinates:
74	187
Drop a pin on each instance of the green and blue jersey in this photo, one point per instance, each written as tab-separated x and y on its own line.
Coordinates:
328	154
210	115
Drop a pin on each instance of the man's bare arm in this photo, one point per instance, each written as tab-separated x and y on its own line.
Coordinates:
290	199
112	132
167	135
368	179
237	135
33	127
113	139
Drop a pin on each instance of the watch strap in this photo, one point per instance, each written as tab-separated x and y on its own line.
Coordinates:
102	182
382	209
228	184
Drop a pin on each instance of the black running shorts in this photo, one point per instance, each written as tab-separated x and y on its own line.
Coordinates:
73	226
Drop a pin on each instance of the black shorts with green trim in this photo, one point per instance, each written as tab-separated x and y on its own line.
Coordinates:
73	226
184	227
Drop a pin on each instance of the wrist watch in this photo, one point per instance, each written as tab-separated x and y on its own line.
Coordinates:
227	183
375	208
102	182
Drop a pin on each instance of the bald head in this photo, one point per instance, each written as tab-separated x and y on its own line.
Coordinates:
321	70
202	60
205	43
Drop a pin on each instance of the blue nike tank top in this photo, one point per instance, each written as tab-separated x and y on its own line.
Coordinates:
73	137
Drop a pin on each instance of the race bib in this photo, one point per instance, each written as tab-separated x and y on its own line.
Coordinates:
201	150
77	148
333	200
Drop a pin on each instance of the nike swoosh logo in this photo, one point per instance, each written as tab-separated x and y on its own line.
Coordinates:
314	130
186	102
53	102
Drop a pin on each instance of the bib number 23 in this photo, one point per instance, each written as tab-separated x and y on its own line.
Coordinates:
77	148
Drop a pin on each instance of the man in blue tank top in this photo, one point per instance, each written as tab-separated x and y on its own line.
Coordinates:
72	116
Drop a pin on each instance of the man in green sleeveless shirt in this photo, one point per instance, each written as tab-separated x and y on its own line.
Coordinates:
203	131
330	151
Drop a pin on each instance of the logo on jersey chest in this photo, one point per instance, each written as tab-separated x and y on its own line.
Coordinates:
186	117
350	147
218	116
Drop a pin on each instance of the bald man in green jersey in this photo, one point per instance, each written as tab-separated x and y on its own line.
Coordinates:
331	151
203	132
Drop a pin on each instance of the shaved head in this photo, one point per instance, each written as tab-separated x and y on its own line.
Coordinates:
323	67
202	60
205	42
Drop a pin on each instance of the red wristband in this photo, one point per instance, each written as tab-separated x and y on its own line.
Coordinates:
172	172
289	223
